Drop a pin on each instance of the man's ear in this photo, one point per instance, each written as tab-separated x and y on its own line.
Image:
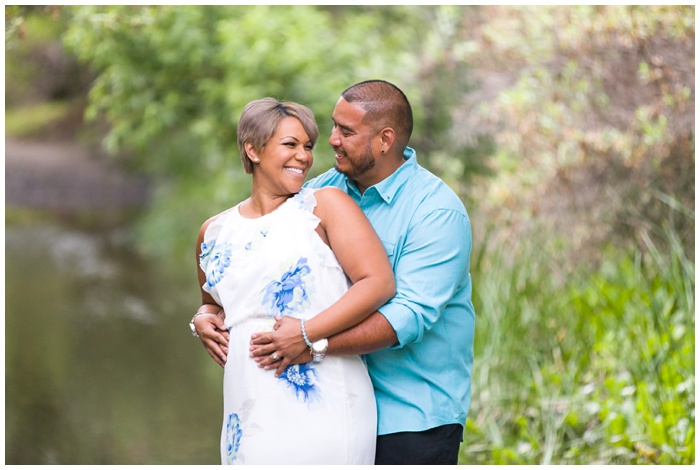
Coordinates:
388	137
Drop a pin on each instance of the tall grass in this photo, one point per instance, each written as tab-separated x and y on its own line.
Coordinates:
594	366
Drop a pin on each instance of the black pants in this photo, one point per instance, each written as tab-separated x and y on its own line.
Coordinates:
437	446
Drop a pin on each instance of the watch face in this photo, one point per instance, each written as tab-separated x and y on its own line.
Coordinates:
320	345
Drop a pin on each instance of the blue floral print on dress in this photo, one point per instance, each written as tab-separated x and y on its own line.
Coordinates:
257	238
301	378
289	294
214	259
233	437
205	252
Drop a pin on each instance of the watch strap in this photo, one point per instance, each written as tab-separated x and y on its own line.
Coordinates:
319	355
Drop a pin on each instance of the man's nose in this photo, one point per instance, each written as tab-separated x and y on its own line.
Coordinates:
334	139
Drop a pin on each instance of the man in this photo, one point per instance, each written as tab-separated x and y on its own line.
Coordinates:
419	346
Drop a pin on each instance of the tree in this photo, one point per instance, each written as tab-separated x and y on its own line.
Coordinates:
592	111
172	81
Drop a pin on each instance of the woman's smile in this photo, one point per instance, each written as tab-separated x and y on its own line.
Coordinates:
295	170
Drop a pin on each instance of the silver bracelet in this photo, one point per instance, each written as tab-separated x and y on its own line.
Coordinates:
193	329
303	333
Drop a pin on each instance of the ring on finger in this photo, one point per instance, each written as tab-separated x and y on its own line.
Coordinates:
275	356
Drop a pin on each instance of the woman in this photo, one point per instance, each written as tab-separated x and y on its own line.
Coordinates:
270	257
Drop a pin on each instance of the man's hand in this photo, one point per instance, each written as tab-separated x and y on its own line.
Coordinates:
286	341
214	335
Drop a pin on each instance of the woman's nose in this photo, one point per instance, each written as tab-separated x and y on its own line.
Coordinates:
303	155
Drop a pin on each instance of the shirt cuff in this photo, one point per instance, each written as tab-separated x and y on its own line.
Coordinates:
404	322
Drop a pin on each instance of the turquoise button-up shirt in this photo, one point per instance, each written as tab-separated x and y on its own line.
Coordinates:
425	380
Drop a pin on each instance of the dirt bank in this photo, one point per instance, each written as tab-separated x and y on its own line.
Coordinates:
64	176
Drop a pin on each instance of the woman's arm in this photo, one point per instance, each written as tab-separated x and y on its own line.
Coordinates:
361	255
210	325
345	228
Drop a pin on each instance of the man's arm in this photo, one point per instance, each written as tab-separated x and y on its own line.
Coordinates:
372	334
433	264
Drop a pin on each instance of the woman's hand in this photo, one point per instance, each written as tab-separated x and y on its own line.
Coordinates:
279	348
214	335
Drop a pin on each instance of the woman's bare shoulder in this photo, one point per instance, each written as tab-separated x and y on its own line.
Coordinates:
333	204
329	196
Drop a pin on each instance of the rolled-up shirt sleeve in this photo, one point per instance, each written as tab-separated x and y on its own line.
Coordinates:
432	262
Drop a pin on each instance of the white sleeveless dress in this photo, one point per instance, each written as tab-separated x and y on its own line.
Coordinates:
317	413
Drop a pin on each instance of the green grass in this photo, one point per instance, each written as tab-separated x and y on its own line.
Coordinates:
31	120
591	367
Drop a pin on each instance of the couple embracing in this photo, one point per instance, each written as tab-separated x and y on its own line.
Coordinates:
339	308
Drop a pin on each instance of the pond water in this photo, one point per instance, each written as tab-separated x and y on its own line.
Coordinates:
100	365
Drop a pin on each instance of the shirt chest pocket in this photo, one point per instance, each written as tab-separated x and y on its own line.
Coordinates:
390	249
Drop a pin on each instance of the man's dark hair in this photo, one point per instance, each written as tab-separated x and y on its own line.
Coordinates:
385	106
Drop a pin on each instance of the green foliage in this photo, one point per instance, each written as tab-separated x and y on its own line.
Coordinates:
168	70
30	34
172	81
606	373
581	117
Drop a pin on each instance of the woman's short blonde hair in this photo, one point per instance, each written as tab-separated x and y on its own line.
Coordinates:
260	119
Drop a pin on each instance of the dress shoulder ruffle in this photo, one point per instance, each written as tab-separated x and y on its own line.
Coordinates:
211	234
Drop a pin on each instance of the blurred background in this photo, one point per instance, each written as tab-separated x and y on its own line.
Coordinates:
569	133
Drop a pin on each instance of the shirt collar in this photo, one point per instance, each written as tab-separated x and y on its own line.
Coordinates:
387	188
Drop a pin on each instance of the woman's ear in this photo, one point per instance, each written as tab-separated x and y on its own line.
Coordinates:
252	153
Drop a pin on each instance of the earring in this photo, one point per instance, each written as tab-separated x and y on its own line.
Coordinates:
256	160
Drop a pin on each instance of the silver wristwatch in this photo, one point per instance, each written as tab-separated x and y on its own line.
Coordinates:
192	327
318	349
